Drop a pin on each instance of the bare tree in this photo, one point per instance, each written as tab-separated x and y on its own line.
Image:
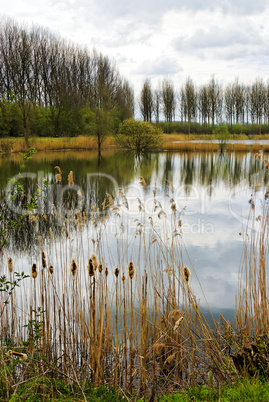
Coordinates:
146	101
169	101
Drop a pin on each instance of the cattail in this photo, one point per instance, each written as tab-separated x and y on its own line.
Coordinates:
123	277
10	264
178	323
142	181
91	269
43	257
73	267
51	269
131	270
266	195
100	267
34	271
23	356
58	176
94	261
116	272
187	273
70	179
174	315
106	272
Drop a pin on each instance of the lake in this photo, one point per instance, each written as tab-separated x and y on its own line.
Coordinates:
202	198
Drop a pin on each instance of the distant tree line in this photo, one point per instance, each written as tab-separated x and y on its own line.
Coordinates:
208	104
49	87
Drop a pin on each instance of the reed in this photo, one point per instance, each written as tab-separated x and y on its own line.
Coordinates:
144	332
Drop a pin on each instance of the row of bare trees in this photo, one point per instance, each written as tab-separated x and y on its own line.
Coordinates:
55	84
211	103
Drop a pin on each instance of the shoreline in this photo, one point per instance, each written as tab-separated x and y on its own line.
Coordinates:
171	142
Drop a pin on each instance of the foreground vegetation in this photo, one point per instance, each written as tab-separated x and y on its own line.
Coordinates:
86	317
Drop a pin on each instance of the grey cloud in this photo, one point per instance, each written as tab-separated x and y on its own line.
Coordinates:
218	37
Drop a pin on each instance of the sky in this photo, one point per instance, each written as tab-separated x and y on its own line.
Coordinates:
159	39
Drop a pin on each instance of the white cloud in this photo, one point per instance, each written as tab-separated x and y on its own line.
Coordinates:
156	38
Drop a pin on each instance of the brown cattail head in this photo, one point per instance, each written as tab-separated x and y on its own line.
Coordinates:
73	267
51	269
43	257
131	270
70	179
10	264
187	273
106	272
123	277
94	261
91	269
142	181
116	272
34	271
58	176
100	267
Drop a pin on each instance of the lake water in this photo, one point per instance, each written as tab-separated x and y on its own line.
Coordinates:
210	194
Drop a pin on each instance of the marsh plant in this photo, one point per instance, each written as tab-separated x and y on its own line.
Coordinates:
120	309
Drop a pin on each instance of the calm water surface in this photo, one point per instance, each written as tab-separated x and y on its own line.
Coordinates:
210	192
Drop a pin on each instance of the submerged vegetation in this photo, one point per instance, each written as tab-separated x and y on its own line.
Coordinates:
88	317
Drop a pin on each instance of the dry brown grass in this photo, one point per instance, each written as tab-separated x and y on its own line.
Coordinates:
172	142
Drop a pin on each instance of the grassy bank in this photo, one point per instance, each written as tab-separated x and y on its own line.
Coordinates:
171	142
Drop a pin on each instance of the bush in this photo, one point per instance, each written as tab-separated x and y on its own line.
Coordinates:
139	136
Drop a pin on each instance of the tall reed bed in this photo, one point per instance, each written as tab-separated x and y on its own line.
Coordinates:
117	309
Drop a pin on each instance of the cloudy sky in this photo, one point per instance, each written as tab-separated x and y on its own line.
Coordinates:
162	38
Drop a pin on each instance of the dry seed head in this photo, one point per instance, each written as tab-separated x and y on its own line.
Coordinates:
116	272
100	267
142	181
159	348
174	315
70	179
106	272
170	359
10	264
178	323
91	269
51	269
23	356
266	195
94	261
131	270
58	178
43	257
187	273
73	267
34	271
58	168
123	277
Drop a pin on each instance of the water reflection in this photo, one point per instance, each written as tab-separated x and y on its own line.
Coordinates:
210	190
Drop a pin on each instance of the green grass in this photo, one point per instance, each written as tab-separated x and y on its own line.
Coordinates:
247	390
